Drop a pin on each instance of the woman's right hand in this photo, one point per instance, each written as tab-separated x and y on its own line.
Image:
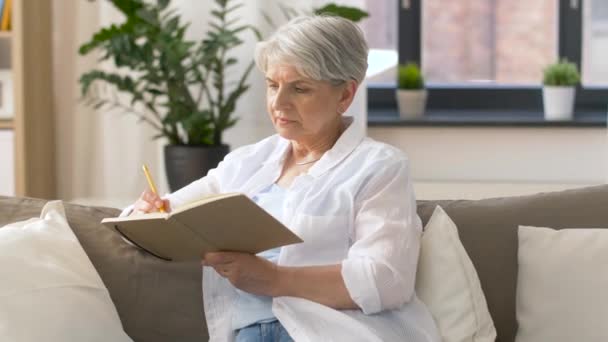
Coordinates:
150	202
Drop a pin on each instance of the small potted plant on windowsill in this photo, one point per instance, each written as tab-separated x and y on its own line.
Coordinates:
411	93
559	90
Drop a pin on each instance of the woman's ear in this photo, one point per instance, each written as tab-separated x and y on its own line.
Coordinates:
349	88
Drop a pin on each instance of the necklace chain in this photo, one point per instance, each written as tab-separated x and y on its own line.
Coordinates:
307	162
342	129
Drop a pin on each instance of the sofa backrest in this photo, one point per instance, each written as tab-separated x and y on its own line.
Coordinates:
488	231
160	301
157	301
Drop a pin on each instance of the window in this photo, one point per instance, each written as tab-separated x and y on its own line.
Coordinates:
488	42
595	43
490	54
381	33
380	30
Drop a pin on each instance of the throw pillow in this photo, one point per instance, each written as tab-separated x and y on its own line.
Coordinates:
562	285
447	283
50	291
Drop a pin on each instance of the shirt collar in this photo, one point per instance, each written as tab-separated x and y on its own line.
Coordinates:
345	144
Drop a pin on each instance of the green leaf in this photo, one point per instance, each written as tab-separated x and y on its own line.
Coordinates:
239	29
234	8
230	104
162	4
562	73
256	32
222	3
104	35
149	16
99	104
128	8
172	24
351	13
268	19
216	27
232	22
168	14
410	77
218	14
231	122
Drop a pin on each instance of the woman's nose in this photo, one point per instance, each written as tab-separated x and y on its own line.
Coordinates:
281	100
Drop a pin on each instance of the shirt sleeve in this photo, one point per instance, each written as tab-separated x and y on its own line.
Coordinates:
227	171
207	185
380	269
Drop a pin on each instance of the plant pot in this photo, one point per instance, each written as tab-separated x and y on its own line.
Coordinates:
558	102
412	103
185	164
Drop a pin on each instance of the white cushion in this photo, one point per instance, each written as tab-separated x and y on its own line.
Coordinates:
49	289
562	285
448	284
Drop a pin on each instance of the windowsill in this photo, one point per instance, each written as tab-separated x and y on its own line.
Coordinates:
482	118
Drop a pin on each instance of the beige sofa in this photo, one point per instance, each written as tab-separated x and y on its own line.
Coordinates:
160	301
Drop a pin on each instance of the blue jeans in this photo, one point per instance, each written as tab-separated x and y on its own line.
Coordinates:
263	332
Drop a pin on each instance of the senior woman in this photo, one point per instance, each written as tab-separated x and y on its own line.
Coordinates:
348	197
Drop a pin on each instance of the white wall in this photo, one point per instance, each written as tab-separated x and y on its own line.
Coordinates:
475	162
7	161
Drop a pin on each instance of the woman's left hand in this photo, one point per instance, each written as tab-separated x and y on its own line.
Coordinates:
245	271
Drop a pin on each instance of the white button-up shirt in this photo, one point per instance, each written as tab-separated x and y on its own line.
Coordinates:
354	207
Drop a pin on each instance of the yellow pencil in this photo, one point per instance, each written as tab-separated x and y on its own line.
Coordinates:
151	184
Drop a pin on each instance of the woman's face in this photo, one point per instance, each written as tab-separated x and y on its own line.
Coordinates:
301	108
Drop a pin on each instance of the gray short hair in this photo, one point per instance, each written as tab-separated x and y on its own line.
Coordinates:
320	47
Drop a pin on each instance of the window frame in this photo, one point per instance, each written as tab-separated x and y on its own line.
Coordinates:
489	98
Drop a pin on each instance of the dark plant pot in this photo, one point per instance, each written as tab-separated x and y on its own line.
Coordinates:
185	164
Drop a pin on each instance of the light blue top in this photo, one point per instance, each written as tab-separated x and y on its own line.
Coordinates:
249	308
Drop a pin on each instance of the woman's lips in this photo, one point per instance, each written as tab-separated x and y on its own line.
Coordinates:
283	121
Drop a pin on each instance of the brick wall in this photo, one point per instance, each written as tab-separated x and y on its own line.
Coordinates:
509	41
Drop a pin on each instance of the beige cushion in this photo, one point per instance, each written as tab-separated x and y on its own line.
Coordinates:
157	301
50	291
447	283
562	286
488	231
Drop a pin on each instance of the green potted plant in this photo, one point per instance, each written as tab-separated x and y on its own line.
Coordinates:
559	90
411	93
178	86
